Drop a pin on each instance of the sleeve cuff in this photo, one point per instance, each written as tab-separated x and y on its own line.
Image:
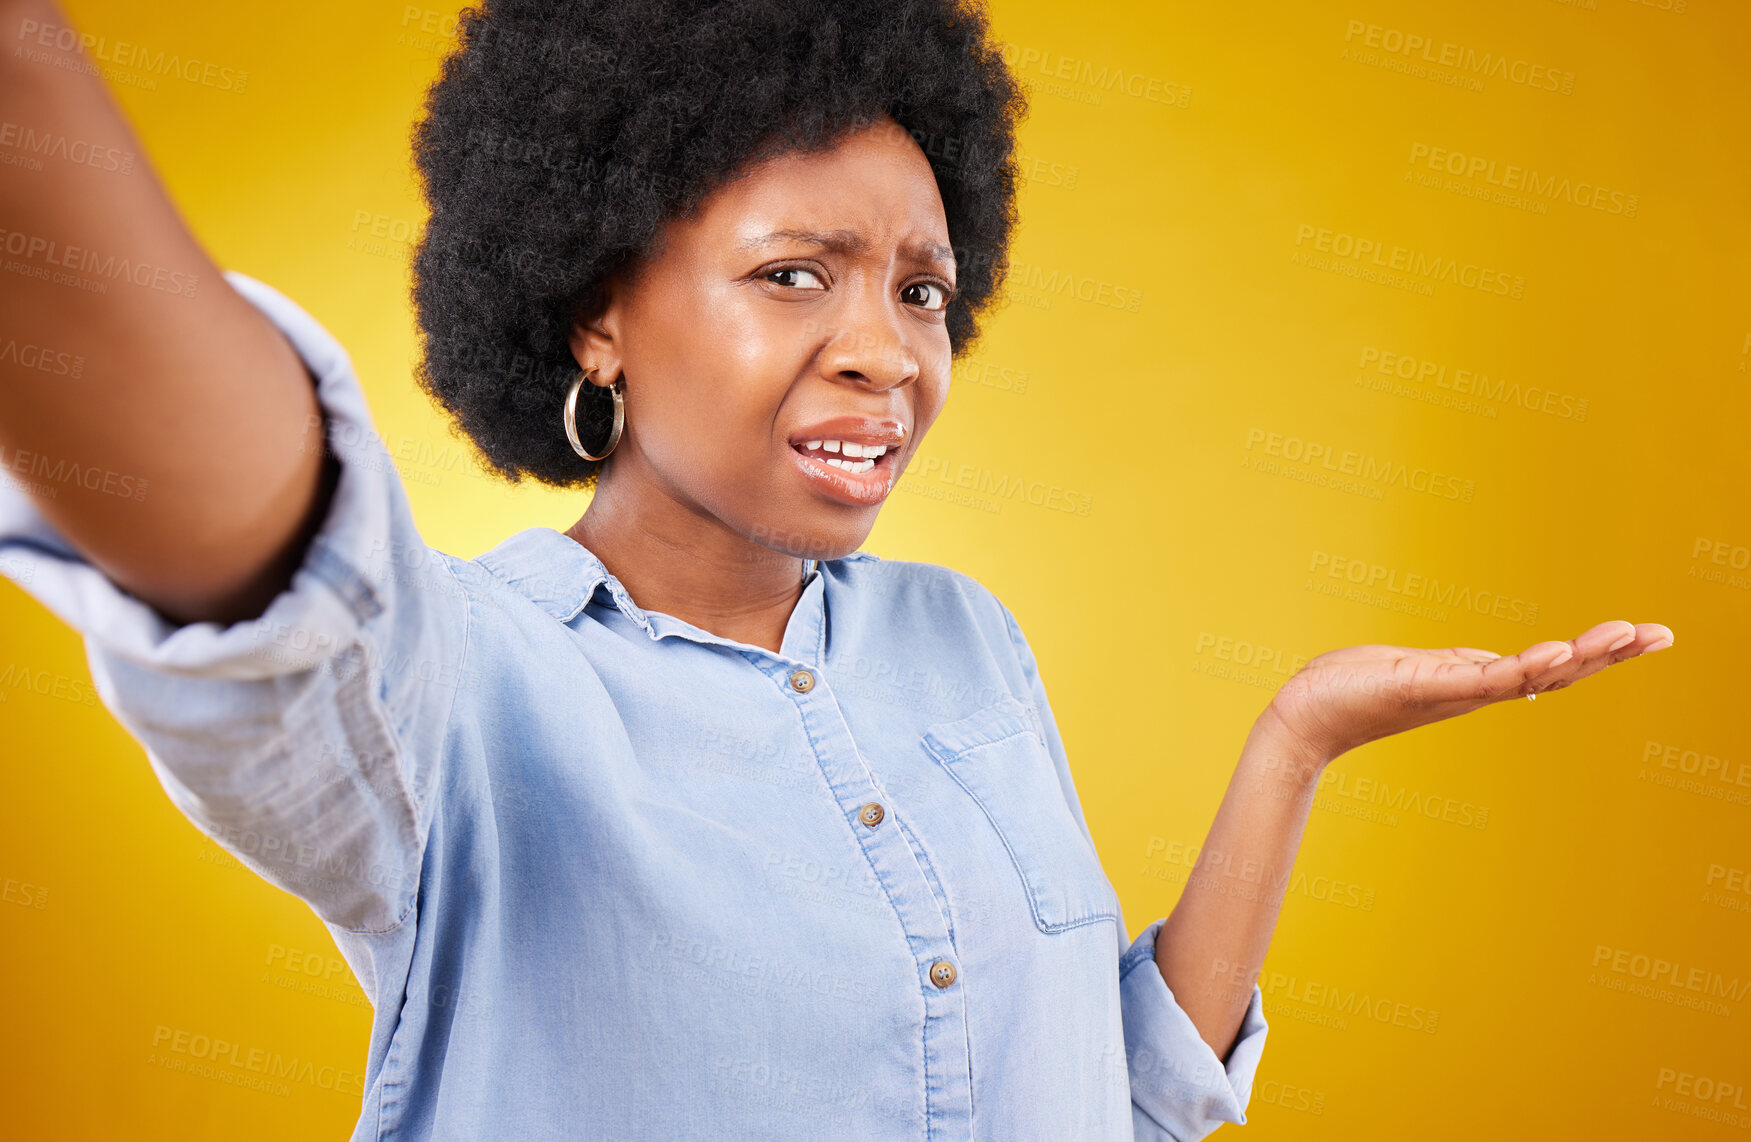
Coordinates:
331	595
1180	1090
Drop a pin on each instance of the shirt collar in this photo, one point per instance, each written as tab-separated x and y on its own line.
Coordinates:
561	576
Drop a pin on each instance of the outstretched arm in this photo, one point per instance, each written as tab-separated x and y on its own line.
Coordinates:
193	425
1212	947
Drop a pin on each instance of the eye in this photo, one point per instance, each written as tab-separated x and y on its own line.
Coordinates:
788	275
927	295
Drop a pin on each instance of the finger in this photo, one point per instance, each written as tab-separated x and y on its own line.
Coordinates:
1590	651
1515	675
1471	676
1470	654
1594	644
1648	637
1594	653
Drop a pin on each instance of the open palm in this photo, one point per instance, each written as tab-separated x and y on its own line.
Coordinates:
1344	698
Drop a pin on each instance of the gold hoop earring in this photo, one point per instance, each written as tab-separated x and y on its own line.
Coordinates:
618	391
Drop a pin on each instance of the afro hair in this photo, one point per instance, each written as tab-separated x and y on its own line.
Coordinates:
561	135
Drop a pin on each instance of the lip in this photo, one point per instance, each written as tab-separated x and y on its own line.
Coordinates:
857	489
858	429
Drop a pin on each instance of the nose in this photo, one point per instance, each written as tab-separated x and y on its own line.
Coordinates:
868	346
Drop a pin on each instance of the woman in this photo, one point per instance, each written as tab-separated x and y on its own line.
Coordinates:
693	820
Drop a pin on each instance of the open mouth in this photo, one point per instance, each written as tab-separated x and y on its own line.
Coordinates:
860	474
845	455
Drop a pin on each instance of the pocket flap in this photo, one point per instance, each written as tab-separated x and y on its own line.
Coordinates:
1004	718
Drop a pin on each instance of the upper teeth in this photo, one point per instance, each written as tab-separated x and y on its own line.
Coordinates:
849	447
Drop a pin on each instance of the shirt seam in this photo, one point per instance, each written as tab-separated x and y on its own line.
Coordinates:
392	1086
338	574
422	834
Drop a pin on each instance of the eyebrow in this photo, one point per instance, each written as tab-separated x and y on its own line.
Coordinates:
847	242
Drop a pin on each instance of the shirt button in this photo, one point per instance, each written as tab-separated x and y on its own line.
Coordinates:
872	814
942	973
802	682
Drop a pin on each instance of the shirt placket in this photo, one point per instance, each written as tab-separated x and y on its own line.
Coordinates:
940	980
796	671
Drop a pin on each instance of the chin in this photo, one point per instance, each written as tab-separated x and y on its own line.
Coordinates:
816	538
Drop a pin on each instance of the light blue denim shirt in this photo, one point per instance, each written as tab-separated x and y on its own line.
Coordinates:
606	875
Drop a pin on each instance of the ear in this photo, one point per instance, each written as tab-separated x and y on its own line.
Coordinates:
595	338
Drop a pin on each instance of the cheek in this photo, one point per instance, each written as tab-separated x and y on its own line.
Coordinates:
696	359
715	378
709	423
933	393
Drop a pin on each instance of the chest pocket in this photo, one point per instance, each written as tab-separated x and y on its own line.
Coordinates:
997	755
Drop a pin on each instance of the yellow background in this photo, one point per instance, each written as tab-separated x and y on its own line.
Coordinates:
1199	575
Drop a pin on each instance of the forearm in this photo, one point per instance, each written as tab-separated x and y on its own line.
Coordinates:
158	421
1213	944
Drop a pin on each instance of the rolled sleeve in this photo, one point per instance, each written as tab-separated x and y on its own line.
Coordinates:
304	741
1180	1090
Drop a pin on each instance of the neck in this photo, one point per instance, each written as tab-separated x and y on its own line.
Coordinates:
684	562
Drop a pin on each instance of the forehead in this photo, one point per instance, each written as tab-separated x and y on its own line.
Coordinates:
874	182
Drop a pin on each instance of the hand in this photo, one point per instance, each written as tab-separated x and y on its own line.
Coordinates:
1344	698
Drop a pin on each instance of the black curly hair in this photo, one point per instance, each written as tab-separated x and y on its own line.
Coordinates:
561	134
